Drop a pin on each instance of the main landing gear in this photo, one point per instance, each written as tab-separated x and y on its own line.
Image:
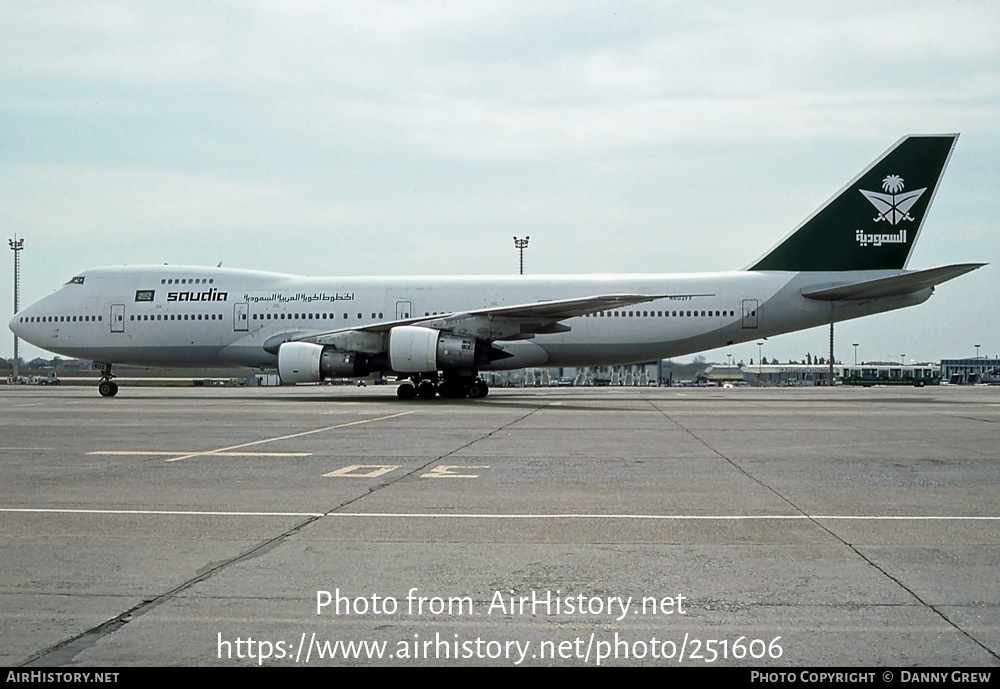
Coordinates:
106	386
425	386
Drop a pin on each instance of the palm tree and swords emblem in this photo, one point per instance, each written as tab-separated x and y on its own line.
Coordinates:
893	207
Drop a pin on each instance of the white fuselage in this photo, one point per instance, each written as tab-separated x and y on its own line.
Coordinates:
200	316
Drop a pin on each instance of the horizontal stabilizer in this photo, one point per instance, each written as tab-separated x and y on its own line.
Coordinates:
894	286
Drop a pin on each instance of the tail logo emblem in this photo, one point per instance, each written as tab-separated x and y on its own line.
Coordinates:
894	205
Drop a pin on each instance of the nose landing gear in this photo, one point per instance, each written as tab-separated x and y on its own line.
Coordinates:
106	386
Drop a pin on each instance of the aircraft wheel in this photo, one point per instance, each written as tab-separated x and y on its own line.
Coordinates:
479	389
108	389
426	390
406	391
452	390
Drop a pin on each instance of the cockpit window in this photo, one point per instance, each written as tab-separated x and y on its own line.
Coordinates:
78	280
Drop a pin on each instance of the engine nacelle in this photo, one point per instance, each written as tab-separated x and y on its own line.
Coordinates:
415	349
305	362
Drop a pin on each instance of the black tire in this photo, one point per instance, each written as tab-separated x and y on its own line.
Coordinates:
426	390
107	389
406	391
479	389
452	390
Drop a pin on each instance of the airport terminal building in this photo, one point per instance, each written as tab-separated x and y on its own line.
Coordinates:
970	371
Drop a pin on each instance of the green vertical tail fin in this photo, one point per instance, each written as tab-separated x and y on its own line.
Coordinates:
873	222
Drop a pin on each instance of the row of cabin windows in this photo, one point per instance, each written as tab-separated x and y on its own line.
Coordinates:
642	314
133	317
177	317
328	316
305	316
187	281
60	319
660	314
181	317
600	314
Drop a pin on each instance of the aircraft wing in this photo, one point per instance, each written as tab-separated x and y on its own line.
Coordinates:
555	310
519	321
893	286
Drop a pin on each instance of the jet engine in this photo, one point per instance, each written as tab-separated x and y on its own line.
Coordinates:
415	349
412	349
305	362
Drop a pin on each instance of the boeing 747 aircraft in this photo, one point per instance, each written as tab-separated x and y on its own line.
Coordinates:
847	260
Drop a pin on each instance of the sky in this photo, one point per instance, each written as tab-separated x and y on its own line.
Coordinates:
396	138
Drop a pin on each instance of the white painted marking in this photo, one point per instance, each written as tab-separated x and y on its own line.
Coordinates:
214	453
675	517
222	450
427	515
354	470
171	513
445	471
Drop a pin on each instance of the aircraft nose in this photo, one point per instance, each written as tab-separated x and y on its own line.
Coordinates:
13	325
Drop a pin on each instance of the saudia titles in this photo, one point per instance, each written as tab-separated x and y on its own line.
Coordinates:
208	295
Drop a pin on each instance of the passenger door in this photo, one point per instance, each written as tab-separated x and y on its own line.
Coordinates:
118	318
241	321
749	314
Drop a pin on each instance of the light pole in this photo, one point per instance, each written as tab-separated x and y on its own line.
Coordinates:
759	372
977	350
16	245
521	245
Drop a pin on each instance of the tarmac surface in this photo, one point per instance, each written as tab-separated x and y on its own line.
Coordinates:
569	526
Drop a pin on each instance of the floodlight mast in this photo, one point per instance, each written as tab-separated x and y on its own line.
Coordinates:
16	245
521	245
